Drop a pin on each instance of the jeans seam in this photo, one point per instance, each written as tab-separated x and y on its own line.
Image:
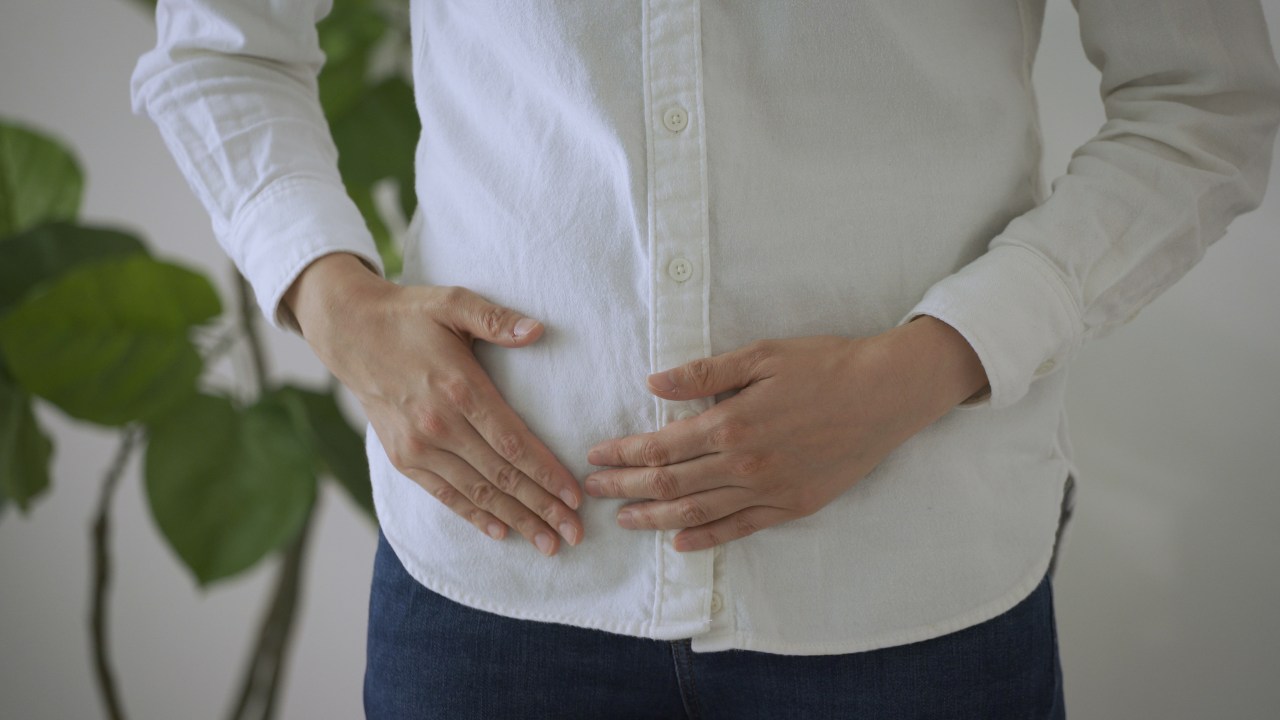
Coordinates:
684	668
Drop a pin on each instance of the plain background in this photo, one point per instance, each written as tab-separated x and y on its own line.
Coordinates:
1166	596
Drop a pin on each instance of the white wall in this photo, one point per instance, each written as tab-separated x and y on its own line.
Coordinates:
1165	597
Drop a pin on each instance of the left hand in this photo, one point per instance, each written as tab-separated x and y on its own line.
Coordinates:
813	416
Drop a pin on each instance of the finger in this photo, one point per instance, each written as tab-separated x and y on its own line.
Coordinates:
678	441
551	509
453	499
711	375
685	512
738	525
506	434
470	314
486	496
665	482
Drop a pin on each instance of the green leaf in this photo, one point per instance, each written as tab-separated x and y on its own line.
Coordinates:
24	448
339	447
227	486
378	136
39	180
348	36
108	342
47	251
376	139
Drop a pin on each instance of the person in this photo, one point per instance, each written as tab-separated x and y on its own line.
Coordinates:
751	320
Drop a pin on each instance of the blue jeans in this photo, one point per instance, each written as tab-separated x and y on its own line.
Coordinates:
430	657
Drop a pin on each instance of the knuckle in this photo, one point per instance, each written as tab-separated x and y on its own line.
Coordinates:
613	486
692	513
758	353
397	458
747	464
543	476
458	392
744	524
510	446
662	484
413	446
699	372
453	294
527	524
774	488
507	478
810	503
445	494
643	519
483	495
546	507
493	318
653	453
725	435
430	424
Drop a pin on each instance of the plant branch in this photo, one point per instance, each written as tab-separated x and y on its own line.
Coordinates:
101	546
221	346
249	323
262	679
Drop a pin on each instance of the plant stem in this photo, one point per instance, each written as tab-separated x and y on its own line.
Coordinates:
262	679
221	346
101	546
249	323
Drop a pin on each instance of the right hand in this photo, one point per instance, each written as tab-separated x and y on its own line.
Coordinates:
405	352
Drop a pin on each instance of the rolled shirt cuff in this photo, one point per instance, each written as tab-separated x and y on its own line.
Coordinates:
288	226
1015	311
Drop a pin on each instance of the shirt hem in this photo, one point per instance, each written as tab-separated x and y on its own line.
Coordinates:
983	613
647	630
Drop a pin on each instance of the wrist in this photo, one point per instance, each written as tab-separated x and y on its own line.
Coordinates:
324	287
953	364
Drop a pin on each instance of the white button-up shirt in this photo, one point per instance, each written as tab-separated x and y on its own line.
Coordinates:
662	180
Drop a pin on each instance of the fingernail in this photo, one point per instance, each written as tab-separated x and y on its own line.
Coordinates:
569	533
627	519
662	381
495	531
524	327
594	456
544	543
569	499
592	486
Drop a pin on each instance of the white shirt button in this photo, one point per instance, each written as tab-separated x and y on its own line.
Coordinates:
1045	367
717	603
676	119
680	269
686	414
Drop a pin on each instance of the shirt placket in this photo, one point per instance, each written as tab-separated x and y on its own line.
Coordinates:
678	264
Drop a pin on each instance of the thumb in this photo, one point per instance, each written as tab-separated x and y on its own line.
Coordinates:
708	376
484	320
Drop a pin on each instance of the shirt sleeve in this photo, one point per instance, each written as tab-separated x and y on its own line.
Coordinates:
1191	92
231	84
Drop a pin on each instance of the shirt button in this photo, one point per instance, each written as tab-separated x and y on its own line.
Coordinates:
1045	367
686	414
676	119
680	269
717	603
